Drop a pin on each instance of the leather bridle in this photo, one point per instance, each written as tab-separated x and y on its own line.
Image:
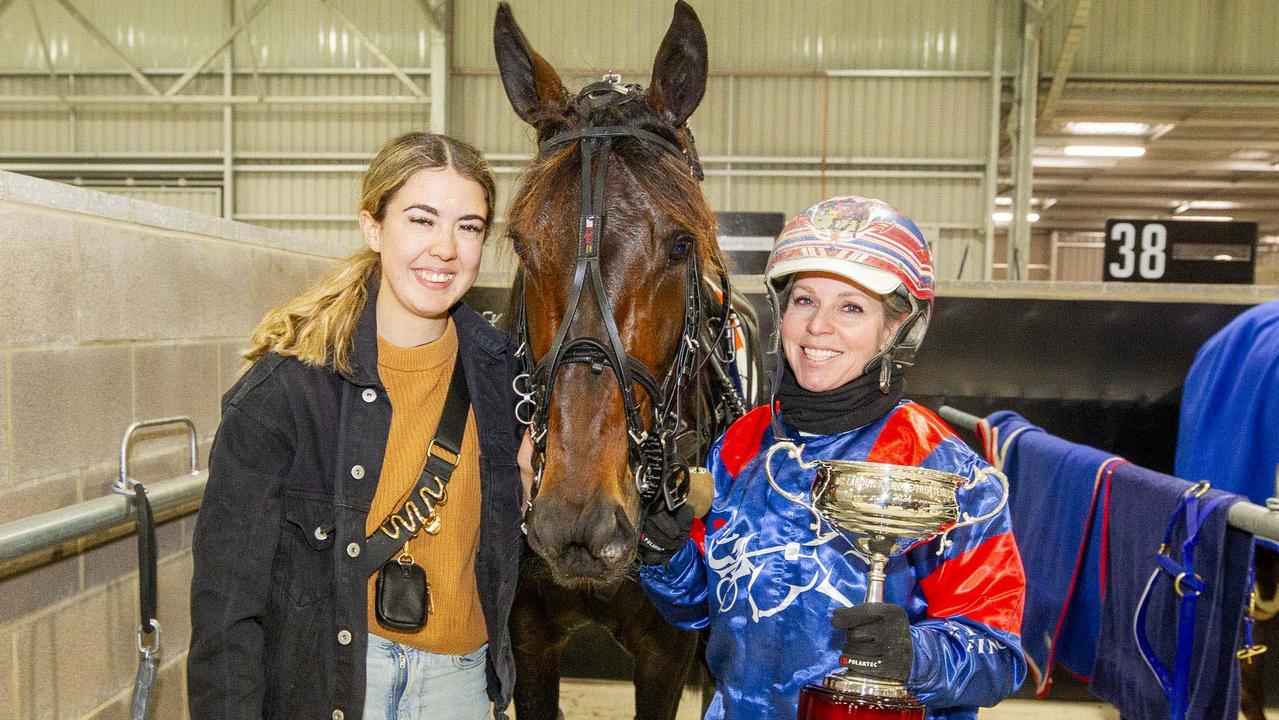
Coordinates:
655	448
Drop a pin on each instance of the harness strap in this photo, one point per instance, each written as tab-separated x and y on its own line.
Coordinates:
650	451
148	664
612	131
1190	513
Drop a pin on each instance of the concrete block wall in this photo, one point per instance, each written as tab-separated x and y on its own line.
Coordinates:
113	310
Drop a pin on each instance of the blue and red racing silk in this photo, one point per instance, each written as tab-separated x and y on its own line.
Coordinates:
765	575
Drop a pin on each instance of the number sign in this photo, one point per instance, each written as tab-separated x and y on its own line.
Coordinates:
1180	251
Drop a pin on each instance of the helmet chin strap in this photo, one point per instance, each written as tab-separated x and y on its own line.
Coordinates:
897	355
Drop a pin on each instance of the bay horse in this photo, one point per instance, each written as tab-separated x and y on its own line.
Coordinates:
627	348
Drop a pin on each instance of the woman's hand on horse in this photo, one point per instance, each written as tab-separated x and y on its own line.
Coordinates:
664	533
525	460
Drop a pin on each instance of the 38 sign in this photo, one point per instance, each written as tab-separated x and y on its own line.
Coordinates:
1181	251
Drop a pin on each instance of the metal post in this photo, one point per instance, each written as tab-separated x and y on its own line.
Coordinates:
440	35
228	136
1023	171
729	145
992	158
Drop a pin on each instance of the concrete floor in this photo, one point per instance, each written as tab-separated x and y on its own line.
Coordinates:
614	700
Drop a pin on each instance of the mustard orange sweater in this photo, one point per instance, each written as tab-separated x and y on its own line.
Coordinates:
416	381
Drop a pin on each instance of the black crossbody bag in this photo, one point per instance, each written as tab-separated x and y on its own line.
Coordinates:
403	593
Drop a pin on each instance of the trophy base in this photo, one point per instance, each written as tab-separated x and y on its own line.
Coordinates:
841	696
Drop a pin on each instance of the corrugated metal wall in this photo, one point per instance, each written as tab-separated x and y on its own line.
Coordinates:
1200	37
757	35
776	130
919	143
286	33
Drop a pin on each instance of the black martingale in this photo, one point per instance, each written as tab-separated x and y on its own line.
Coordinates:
658	451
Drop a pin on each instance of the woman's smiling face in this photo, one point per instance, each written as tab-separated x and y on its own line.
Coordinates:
430	238
830	329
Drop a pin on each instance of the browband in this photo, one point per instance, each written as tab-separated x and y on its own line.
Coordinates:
614	131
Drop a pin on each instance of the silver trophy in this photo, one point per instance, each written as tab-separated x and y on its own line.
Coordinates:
883	510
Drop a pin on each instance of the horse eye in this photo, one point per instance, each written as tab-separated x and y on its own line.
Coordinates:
517	245
680	249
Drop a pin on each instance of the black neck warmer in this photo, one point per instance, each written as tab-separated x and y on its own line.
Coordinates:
852	405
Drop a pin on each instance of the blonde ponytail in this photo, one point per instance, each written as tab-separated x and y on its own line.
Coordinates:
317	326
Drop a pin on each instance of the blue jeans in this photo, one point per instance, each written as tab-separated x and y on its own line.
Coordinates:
404	683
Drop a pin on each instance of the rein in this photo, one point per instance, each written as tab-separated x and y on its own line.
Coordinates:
657	459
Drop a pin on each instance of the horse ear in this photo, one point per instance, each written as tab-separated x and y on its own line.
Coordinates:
679	70
531	83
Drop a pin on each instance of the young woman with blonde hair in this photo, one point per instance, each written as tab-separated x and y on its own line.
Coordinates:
323	442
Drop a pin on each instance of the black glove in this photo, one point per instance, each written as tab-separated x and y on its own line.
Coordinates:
664	533
878	643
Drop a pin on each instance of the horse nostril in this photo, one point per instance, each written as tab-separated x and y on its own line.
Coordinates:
612	552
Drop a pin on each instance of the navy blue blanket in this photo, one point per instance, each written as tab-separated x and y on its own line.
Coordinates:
1141	503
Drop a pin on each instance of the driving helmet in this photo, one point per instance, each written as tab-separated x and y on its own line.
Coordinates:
870	243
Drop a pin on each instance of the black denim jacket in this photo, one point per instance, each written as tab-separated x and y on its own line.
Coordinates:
279	605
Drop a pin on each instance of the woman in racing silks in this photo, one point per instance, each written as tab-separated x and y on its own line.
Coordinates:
852	284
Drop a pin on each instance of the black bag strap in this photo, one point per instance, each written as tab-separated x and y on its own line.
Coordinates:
442	456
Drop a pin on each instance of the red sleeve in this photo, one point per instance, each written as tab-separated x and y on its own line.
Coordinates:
741	441
985	584
909	436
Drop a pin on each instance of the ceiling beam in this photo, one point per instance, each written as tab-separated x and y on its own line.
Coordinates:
90	28
1182	120
435	14
1050	185
1078	25
48	56
208	58
373	48
1164	142
1150	166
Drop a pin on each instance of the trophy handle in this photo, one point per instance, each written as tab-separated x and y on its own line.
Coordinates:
796	452
983	474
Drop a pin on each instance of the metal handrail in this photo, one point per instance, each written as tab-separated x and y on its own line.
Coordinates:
21	538
108	515
123	482
1246	516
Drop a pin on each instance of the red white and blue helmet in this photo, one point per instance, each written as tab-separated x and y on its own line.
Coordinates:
870	243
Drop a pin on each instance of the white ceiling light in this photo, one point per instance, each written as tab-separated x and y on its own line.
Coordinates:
1105	151
1250	155
1206	205
1107	128
1005	201
1003	217
1205	218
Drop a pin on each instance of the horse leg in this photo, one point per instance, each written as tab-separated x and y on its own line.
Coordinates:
1252	674
536	639
663	653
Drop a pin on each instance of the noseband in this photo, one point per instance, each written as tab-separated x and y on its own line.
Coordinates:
654	458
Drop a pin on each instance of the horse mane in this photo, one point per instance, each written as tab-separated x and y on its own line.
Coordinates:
664	177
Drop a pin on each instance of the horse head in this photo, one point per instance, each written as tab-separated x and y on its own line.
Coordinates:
613	236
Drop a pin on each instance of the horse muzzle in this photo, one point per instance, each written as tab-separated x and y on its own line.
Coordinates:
591	542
